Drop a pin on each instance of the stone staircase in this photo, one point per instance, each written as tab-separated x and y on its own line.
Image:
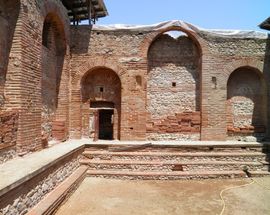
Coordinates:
176	162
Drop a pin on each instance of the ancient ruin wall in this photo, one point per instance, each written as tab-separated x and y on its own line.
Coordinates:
53	51
22	89
246	104
225	55
173	94
120	52
8	20
204	108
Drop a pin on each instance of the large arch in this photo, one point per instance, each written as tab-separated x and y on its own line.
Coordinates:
246	104
54	46
173	87
101	98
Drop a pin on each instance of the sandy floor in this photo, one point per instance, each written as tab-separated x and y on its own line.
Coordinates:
116	197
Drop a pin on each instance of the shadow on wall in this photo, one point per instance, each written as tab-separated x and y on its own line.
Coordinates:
80	38
266	71
247	103
9	12
53	51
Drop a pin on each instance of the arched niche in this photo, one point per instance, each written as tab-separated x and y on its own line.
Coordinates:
52	63
246	104
173	87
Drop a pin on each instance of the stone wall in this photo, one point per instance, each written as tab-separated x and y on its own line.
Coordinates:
173	87
225	55
118	51
32	192
163	77
246	104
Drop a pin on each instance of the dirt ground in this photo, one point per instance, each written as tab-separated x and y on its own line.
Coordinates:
98	196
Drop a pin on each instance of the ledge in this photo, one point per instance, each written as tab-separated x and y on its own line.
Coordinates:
51	202
17	171
177	143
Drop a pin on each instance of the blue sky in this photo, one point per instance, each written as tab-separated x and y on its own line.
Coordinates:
211	14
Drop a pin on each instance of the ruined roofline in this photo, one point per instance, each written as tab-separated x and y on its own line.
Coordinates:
184	25
79	10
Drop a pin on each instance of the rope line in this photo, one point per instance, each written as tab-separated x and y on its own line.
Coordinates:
229	188
244	185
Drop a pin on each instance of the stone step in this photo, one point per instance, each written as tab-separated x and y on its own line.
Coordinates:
150	175
182	148
178	156
172	165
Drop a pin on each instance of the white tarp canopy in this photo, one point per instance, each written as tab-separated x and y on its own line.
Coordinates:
190	27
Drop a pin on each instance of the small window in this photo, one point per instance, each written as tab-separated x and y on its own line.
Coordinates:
173	84
214	83
99	89
138	81
46	34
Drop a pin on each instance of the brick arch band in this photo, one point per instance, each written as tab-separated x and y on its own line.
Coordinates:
147	42
91	65
57	9
249	63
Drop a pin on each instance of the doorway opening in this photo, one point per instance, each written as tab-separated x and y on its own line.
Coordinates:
105	124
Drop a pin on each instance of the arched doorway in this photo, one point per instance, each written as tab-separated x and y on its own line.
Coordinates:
101	108
173	88
53	55
246	104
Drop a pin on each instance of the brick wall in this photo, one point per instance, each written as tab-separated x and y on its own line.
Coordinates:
224	56
8	129
117	51
8	34
246	103
173	88
23	79
53	53
103	87
199	66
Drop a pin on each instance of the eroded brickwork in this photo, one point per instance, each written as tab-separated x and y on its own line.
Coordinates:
9	15
53	51
246	107
177	89
22	89
8	135
173	88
